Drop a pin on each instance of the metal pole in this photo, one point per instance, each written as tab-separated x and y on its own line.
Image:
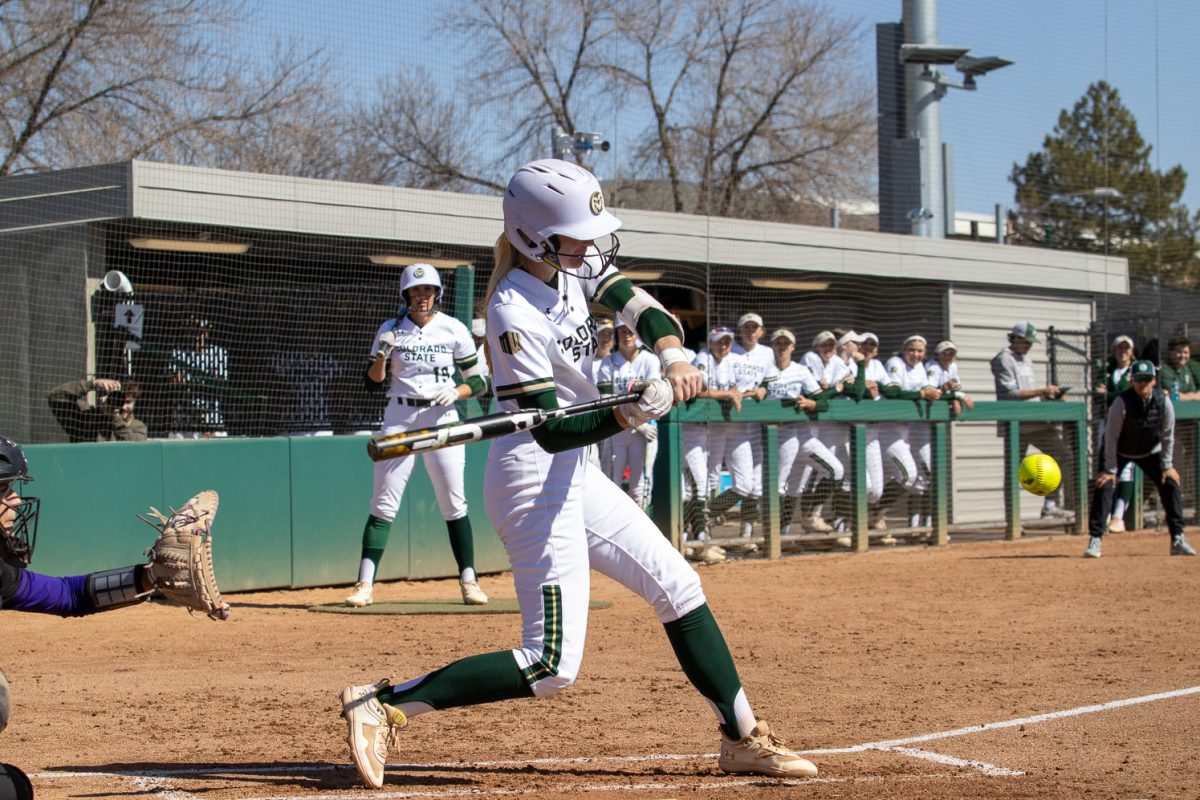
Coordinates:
924	117
1000	223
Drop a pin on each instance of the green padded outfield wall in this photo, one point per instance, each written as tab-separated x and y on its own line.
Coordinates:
291	513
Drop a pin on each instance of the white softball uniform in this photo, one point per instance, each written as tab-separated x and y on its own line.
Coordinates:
630	449
939	376
721	439
558	516
753	369
834	435
694	443
421	364
873	370
799	446
913	437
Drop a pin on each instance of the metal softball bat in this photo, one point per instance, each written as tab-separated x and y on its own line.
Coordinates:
406	443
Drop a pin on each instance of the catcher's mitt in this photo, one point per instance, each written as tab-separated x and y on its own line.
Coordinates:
181	559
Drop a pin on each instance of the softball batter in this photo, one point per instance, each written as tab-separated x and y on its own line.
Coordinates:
632	448
557	515
422	348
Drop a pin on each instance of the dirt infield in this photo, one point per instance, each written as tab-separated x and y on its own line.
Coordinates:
977	669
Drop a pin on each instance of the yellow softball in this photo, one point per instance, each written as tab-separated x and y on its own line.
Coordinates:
1039	474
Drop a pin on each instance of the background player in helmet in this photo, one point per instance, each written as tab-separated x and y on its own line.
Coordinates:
632	449
557	516
421	350
22	589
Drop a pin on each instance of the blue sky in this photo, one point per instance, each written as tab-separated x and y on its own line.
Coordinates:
1145	48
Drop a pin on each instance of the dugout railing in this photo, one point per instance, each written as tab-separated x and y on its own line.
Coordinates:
770	414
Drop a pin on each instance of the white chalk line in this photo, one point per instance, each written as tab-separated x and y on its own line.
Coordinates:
152	782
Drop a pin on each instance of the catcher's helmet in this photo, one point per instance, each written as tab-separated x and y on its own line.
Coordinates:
550	198
18	515
420	275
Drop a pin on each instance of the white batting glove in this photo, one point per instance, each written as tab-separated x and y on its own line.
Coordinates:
385	343
446	397
647	431
655	402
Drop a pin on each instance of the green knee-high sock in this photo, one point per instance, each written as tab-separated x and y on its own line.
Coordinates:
485	678
704	656
461	543
723	502
375	539
787	508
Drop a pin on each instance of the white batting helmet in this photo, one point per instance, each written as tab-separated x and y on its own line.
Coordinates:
548	198
420	275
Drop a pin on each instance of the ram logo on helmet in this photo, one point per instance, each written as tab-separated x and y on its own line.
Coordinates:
597	203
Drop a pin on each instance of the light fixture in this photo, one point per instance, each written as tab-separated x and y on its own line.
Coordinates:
397	260
781	283
189	245
642	274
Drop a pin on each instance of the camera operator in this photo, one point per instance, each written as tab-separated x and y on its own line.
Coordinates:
99	410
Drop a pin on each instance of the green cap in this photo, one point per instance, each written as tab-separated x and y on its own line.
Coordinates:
1026	331
1142	371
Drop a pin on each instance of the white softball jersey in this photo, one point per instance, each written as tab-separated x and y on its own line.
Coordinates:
557	515
422	363
939	375
629	449
799	446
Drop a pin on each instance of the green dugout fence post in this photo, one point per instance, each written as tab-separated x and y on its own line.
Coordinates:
770	484
941	470
1081	476
667	496
1012	487
858	449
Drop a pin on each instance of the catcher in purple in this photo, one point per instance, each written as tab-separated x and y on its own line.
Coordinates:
180	565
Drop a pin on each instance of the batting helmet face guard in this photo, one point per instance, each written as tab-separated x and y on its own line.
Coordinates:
420	275
549	199
18	515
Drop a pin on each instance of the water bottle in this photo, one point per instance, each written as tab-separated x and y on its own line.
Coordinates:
1174	391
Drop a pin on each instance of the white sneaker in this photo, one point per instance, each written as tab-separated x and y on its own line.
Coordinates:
747	530
845	541
1093	548
761	753
1116	525
815	523
472	594
370	724
888	540
364	595
712	554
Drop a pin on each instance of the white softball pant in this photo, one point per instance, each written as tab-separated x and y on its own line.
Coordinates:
445	467
559	517
695	461
898	462
799	449
630	450
731	444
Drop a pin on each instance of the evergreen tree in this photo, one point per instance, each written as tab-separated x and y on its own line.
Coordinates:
1097	144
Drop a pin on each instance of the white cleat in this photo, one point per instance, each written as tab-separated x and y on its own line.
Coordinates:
815	523
472	594
364	595
761	753
371	724
1093	548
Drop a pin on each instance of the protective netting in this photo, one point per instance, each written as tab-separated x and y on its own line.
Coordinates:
263	328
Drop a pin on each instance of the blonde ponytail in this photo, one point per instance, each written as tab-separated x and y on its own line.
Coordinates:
504	259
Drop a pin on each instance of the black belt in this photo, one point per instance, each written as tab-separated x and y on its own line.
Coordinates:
419	402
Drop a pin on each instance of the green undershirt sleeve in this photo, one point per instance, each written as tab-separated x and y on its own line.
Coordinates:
652	325
893	391
569	433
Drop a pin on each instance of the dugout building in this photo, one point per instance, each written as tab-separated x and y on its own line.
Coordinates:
291	277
